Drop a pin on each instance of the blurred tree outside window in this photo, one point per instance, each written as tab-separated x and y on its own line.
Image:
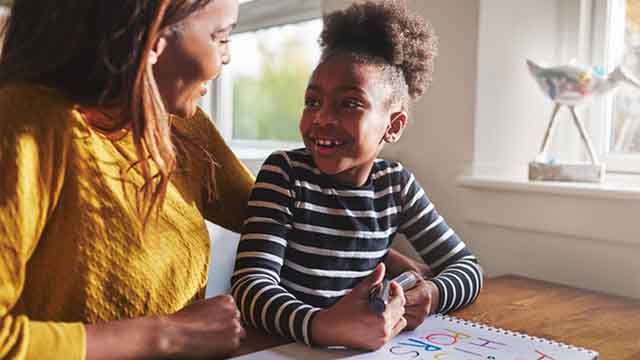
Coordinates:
269	72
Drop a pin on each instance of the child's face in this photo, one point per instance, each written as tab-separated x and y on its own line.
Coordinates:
347	118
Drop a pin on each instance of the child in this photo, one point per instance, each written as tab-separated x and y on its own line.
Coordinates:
321	219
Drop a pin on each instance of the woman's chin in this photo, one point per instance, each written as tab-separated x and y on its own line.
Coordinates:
184	111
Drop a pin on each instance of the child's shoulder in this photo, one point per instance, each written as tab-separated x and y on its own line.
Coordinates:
296	163
383	168
290	158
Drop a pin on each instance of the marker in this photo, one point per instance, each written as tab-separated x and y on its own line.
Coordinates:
379	295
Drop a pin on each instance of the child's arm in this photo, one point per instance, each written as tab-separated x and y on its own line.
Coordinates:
458	276
256	281
398	263
264	303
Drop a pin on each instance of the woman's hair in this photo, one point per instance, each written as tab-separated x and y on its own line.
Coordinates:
383	33
96	53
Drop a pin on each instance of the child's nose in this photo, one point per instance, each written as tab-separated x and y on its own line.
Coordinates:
325	117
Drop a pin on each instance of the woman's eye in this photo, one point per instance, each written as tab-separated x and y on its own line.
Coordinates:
221	40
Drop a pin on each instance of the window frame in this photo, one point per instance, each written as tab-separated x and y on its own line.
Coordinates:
255	15
607	25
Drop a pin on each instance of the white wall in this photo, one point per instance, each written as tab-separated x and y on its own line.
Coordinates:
578	235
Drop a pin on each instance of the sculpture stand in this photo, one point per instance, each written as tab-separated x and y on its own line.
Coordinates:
581	172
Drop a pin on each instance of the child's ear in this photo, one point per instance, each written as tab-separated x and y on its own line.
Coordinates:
396	126
157	49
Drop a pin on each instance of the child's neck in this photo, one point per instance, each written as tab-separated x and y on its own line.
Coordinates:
355	177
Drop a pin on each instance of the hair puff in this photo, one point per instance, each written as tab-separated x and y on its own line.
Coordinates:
385	29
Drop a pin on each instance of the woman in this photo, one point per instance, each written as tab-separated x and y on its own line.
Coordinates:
103	194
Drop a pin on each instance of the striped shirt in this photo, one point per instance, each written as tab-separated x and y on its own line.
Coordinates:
307	241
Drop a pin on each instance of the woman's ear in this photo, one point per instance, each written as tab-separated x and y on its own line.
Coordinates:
158	48
396	126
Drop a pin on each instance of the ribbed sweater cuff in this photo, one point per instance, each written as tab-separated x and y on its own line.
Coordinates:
56	341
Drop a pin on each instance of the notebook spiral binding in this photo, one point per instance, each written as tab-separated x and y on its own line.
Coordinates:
515	333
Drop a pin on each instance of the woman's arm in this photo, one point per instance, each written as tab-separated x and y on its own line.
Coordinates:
208	328
233	181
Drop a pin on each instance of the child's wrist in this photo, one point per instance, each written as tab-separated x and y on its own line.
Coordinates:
434	295
323	329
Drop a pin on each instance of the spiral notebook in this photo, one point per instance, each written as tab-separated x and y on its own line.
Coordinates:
446	338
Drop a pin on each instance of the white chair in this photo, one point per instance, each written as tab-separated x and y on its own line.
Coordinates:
224	244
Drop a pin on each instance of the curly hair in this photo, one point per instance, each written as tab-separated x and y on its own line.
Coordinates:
383	33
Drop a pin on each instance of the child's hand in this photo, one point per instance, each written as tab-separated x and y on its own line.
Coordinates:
349	322
398	263
422	301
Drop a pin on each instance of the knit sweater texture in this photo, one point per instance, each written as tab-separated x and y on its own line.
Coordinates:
72	248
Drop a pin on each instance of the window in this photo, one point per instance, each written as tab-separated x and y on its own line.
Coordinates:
258	98
616	41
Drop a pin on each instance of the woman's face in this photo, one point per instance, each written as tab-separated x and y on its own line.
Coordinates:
191	53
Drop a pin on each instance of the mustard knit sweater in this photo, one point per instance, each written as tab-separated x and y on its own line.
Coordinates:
71	246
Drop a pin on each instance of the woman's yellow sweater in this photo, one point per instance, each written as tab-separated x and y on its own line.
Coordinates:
71	246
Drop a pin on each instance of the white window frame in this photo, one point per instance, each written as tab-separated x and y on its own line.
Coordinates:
607	23
255	15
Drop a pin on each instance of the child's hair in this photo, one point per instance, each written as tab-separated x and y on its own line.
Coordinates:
383	33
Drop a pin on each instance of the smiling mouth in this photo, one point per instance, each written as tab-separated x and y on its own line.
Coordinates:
328	143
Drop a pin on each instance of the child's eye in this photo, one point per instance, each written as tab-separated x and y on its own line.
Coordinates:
311	102
352	104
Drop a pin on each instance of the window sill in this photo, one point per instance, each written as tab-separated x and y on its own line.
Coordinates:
605	212
619	187
259	150
254	153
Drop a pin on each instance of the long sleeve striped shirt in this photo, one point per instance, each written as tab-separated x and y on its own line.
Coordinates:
307	241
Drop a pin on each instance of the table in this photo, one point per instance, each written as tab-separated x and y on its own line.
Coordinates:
605	323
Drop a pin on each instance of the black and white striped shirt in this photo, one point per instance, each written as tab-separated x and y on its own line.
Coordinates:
307	241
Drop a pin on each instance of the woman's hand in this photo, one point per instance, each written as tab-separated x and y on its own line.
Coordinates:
349	322
422	301
205	328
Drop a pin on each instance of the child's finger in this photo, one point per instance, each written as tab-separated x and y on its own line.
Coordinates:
396	293
395	308
398	327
